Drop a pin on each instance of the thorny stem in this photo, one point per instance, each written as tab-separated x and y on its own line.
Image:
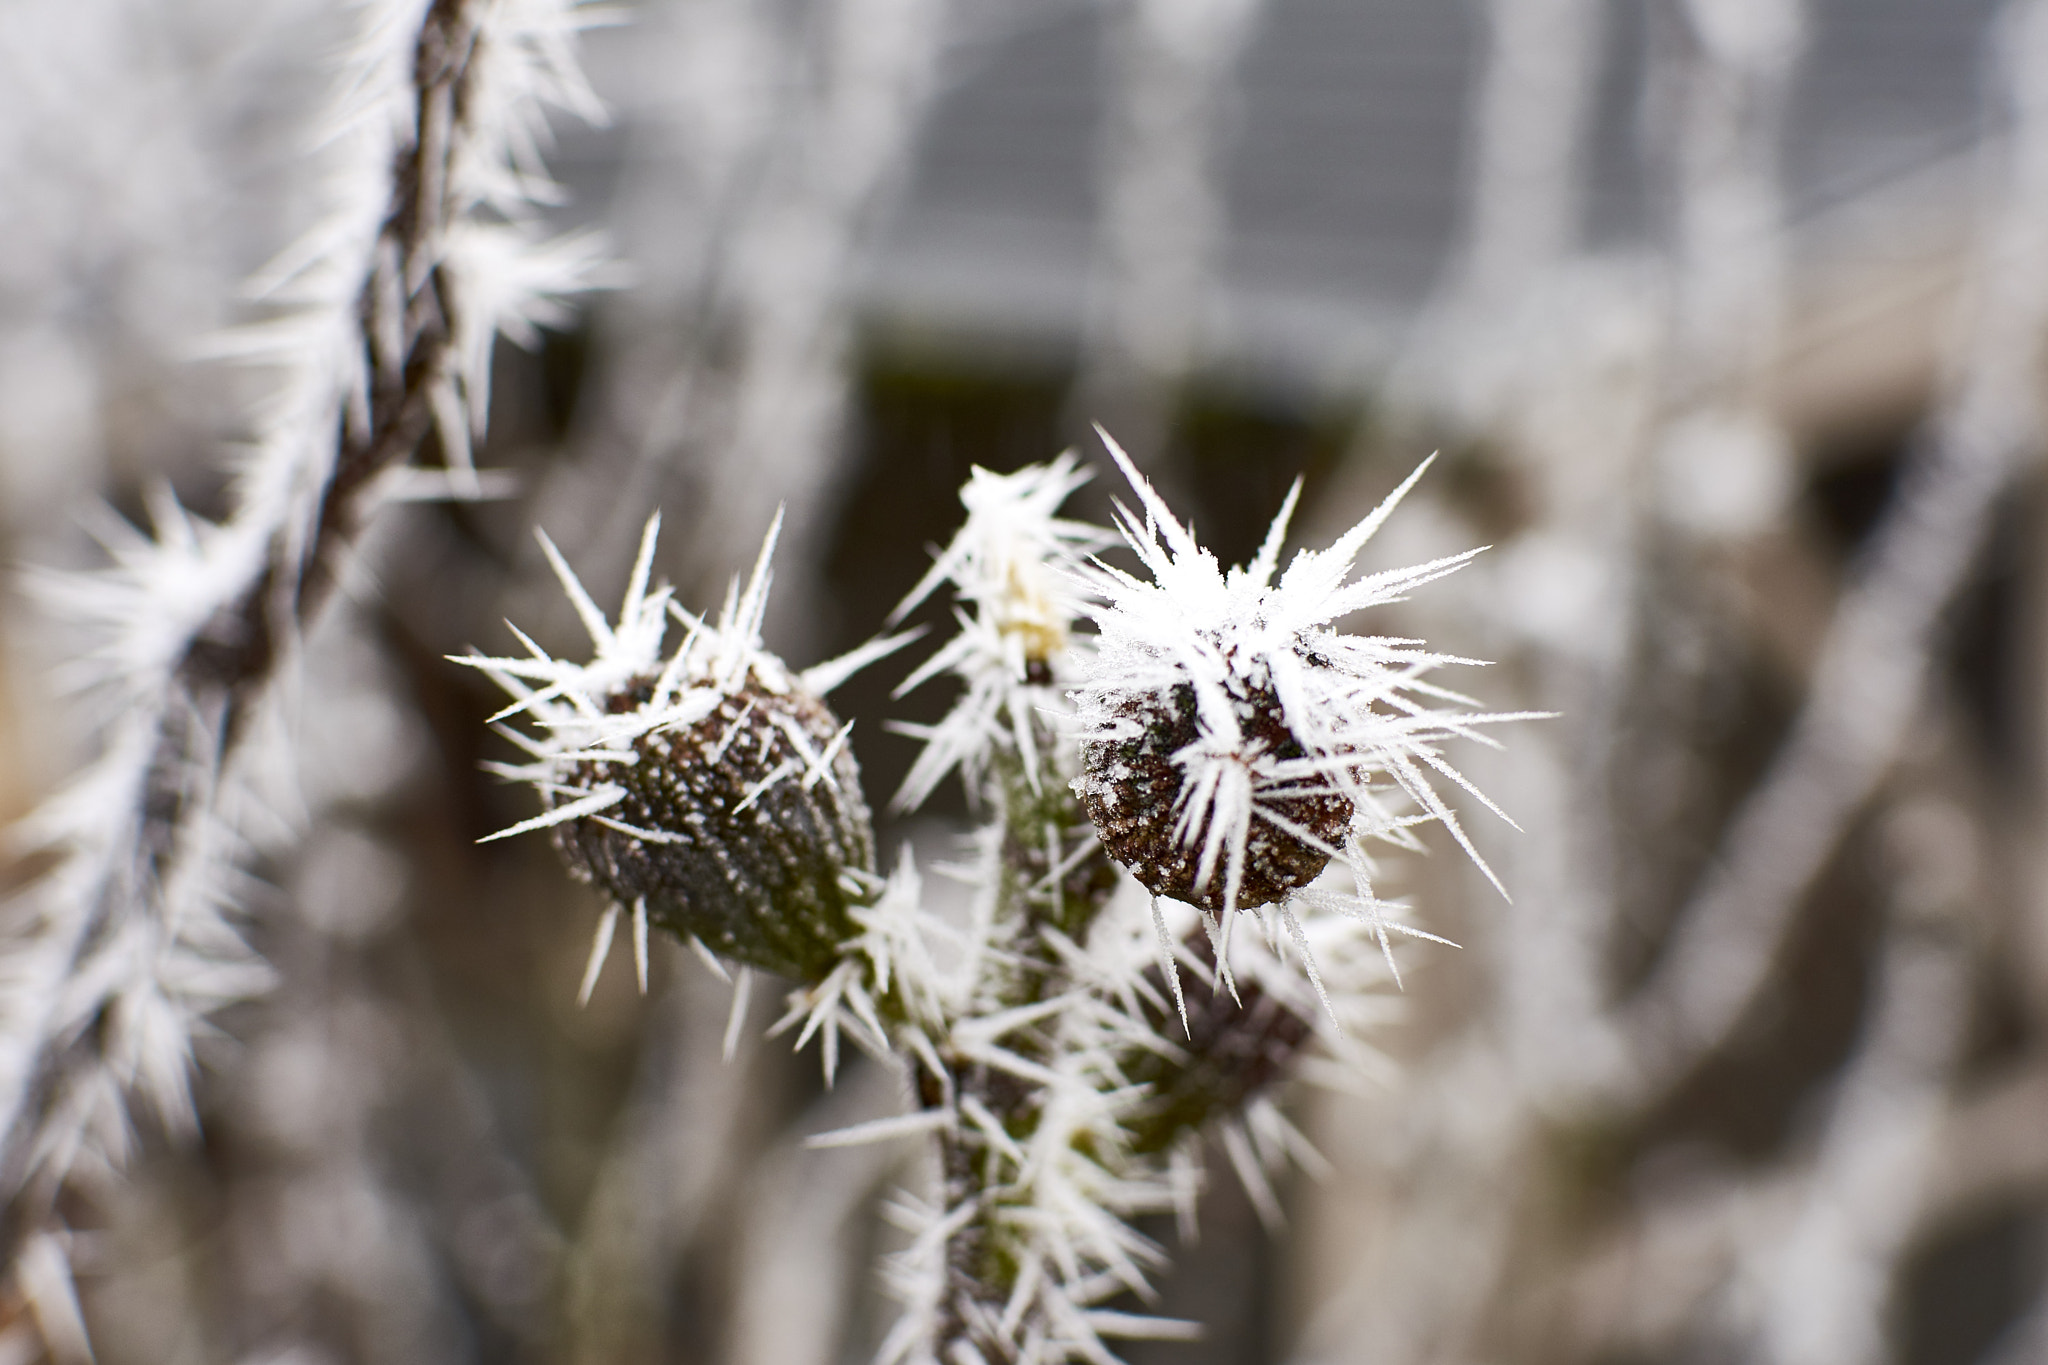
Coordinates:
407	320
1054	874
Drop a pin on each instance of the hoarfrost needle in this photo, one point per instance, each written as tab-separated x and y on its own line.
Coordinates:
1011	563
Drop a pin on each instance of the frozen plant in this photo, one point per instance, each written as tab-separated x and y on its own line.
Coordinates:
1226	698
1215	735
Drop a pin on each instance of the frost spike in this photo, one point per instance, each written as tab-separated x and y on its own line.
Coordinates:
600	946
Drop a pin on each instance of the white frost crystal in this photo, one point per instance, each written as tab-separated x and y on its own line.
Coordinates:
1012	564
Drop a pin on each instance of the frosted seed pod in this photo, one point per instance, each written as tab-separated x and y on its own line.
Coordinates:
744	828
1234	742
706	790
1134	790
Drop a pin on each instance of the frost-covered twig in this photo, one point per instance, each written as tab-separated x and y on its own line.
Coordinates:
386	315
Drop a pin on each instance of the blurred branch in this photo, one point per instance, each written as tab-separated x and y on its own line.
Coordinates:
1163	217
1875	661
1821	1286
800	1244
1990	1148
1802	1256
1730	80
735	372
668	1180
792	264
1527	196
126	947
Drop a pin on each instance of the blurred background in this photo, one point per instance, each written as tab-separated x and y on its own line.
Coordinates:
1726	316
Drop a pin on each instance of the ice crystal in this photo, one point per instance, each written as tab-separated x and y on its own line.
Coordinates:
889	974
1011	564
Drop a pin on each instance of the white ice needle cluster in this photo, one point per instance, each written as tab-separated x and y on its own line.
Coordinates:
1109	1132
1011	566
571	704
1274	743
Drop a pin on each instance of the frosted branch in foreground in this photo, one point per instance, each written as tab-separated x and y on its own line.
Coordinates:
385	314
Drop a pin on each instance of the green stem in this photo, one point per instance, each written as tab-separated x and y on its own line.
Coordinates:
1053	874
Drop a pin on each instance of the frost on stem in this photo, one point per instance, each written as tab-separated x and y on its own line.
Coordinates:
1012	570
708	789
1063	1099
1234	744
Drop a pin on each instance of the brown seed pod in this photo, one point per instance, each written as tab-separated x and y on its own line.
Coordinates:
1131	787
742	835
1236	1044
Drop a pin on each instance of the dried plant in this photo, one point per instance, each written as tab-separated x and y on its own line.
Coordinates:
1176	771
1213	735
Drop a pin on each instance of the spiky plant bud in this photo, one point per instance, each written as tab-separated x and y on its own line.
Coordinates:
711	792
1232	1048
1233	743
744	829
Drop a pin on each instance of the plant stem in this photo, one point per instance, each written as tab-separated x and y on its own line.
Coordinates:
1051	874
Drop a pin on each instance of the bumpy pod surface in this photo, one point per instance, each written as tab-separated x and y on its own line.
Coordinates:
705	789
1134	791
745	834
